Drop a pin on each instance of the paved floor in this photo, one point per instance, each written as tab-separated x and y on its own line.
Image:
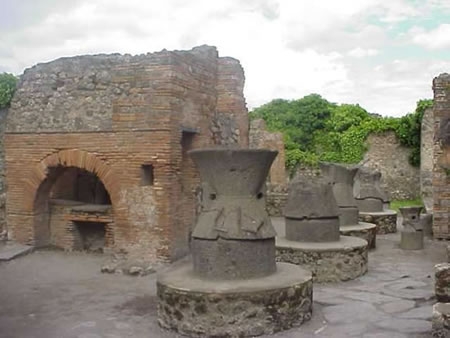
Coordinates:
53	294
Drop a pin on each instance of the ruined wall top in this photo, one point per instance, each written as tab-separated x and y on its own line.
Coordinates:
107	92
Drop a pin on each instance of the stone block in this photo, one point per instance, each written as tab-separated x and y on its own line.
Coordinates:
442	282
440	322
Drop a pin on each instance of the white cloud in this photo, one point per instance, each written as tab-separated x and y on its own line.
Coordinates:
359	52
435	39
288	48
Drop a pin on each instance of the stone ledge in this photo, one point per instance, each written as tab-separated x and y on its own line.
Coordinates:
343	260
386	221
366	231
239	308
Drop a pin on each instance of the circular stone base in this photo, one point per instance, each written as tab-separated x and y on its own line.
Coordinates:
367	231
237	308
343	260
386	220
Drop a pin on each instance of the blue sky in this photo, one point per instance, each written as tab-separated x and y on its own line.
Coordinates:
380	54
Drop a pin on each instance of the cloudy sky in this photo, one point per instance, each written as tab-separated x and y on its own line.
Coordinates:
382	54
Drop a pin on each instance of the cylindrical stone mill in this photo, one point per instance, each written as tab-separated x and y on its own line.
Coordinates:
341	177
234	287
312	235
233	237
367	191
412	232
372	201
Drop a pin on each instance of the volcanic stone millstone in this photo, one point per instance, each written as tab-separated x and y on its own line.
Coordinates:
234	314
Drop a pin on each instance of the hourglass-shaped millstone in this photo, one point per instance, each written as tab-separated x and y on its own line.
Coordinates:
366	189
412	235
341	178
411	217
311	212
233	237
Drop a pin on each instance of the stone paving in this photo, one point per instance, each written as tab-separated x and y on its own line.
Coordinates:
63	295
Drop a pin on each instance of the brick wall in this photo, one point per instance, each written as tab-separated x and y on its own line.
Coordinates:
260	138
441	157
110	115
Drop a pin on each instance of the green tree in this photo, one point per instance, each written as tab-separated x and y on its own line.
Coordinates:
7	88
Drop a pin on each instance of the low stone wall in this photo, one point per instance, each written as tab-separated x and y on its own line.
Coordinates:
399	179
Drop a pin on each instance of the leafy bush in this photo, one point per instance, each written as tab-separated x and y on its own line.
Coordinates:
316	130
7	88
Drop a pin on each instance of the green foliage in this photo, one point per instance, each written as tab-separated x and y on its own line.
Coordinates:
408	130
7	88
317	130
396	204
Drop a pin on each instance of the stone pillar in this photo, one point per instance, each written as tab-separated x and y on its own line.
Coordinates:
426	159
441	157
440	321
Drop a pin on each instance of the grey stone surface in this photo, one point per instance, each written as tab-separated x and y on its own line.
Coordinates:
49	293
398	306
366	231
233	259
441	320
312	214
313	230
411	239
386	220
423	312
405	325
352	312
341	177
198	307
411	217
442	282
10	250
233	215
310	199
329	261
426	159
367	190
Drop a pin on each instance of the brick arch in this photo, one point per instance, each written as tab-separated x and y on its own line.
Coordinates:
71	158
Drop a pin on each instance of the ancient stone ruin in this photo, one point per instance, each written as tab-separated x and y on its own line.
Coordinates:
312	238
412	232
341	179
234	288
372	201
96	148
441	157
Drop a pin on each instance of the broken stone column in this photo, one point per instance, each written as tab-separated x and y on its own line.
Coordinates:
234	286
412	232
341	178
312	237
371	201
442	282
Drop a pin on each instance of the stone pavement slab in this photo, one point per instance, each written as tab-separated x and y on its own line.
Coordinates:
10	250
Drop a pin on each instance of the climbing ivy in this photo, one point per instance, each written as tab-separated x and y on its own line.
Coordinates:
7	88
315	129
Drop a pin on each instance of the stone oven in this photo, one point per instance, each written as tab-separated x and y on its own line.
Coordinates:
96	148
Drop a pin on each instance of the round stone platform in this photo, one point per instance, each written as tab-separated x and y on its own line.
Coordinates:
234	308
386	220
342	260
367	231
